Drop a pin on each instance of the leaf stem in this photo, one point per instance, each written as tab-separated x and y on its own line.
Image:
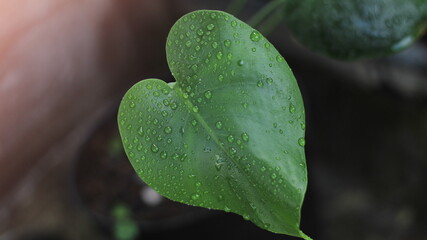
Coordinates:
264	12
236	6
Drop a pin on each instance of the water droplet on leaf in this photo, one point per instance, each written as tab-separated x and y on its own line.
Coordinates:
255	36
301	142
292	108
245	137
208	94
154	148
210	27
218	125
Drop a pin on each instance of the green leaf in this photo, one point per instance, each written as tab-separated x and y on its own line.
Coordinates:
229	134
353	29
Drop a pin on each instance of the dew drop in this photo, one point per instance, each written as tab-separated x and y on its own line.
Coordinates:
208	94
279	58
219	55
227	43
207	149
301	142
159	138
260	83
240	62
154	148
195	109
255	36
219	162
245	137
166	102
164	155
140	131
218	125
168	130
230	138
184	157
292	108
195	196
229	56
210	27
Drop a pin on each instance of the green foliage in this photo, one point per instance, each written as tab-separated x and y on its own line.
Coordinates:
354	29
229	134
125	228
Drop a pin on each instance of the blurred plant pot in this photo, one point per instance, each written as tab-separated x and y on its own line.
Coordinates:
108	188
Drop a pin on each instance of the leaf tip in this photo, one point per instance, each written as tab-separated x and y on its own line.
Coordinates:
304	236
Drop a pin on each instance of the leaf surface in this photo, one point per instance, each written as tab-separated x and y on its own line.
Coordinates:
229	134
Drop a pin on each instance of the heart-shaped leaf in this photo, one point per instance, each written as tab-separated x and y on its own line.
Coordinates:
229	134
354	29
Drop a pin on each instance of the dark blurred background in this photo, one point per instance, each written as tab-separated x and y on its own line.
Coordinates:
65	64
